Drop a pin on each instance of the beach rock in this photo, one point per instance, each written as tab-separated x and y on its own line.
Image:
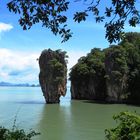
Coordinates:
53	74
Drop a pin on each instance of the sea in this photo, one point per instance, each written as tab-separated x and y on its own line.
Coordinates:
69	120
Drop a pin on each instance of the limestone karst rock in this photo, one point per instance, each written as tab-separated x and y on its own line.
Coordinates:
87	77
102	75
117	72
53	74
110	75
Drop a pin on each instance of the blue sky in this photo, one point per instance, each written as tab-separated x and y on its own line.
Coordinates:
19	49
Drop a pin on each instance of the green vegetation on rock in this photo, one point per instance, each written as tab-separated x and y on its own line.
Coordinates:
89	66
53	74
112	74
87	75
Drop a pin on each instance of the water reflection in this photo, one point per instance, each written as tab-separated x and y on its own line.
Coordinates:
55	121
77	120
73	120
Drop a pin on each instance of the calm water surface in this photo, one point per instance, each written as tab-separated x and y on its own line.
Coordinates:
69	120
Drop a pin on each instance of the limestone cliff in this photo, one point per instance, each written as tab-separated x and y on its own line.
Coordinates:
116	74
110	75
53	74
101	75
88	90
87	77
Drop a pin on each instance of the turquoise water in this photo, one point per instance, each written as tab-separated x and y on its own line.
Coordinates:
76	120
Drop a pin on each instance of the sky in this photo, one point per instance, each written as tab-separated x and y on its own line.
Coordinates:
20	49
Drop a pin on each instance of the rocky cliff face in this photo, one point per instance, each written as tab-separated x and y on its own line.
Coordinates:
53	74
100	77
110	75
116	70
87	77
88	90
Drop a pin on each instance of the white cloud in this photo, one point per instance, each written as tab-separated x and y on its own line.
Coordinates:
74	56
22	67
18	66
5	27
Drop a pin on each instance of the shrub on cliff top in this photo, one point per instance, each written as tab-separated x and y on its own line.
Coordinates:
89	66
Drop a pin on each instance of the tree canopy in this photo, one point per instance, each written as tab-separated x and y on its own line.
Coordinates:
53	15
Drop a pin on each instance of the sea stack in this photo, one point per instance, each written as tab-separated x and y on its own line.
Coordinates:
53	74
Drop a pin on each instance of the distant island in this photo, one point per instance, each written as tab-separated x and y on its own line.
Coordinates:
7	84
